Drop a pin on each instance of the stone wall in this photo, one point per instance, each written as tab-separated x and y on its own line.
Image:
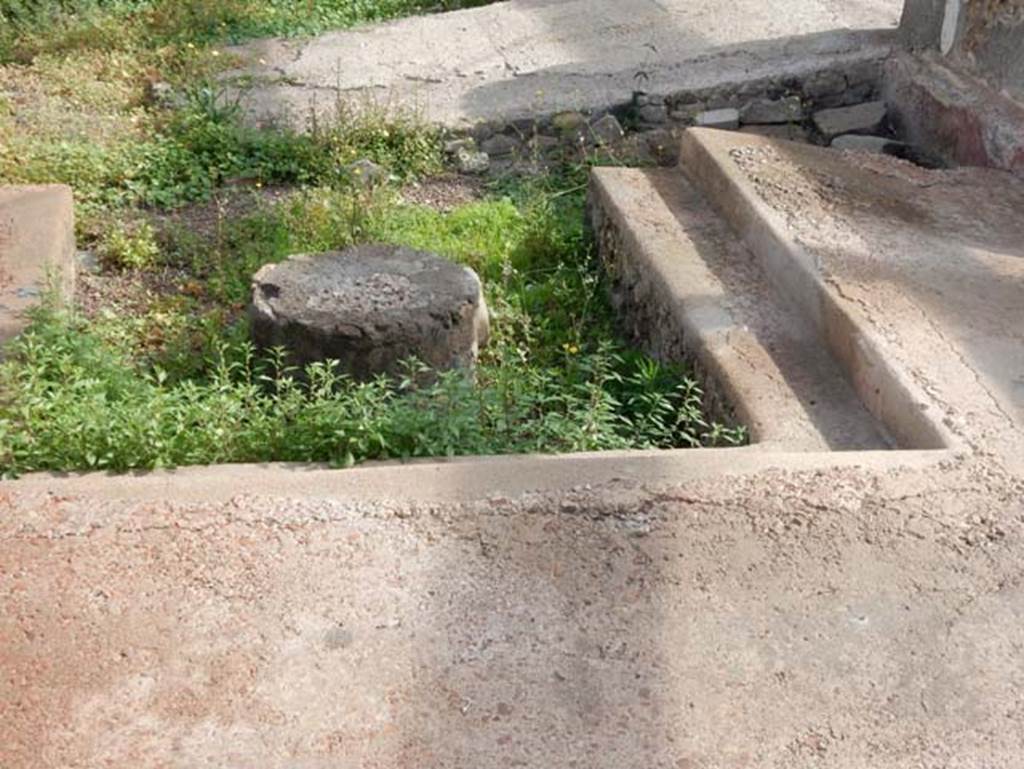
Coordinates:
984	37
961	91
921	25
646	129
990	40
644	313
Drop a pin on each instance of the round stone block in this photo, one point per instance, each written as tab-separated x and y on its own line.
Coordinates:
370	307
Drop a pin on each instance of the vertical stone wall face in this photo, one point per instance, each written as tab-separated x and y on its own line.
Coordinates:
985	37
921	25
991	42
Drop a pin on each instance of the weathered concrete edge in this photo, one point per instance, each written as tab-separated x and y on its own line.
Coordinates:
37	250
659	322
675	308
460	480
847	72
889	393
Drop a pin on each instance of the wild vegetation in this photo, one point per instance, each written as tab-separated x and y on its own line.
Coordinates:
181	202
33	26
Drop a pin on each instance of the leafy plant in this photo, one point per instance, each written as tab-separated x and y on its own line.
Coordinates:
73	402
131	246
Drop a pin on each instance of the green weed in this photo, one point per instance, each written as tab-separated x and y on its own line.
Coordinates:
30	27
130	246
73	402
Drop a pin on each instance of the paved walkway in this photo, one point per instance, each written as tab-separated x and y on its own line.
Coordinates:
839	618
525	57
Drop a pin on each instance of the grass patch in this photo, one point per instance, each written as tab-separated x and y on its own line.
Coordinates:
112	395
180	157
30	27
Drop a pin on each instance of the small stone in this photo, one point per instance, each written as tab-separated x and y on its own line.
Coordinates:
826	89
472	162
862	81
88	262
687	113
765	111
500	145
792	132
641	99
607	130
860	118
366	173
543	144
507	165
726	119
568	123
454	146
653	114
859	143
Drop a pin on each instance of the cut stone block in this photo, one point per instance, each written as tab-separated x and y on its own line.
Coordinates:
911	276
653	113
370	308
794	132
37	251
687	113
767	111
860	118
726	119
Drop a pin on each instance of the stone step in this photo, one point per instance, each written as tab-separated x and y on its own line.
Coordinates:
37	250
689	289
912	278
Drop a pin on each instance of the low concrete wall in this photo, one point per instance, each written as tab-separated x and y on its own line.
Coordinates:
37	250
962	119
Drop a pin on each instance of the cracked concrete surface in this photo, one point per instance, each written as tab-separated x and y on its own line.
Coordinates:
529	57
